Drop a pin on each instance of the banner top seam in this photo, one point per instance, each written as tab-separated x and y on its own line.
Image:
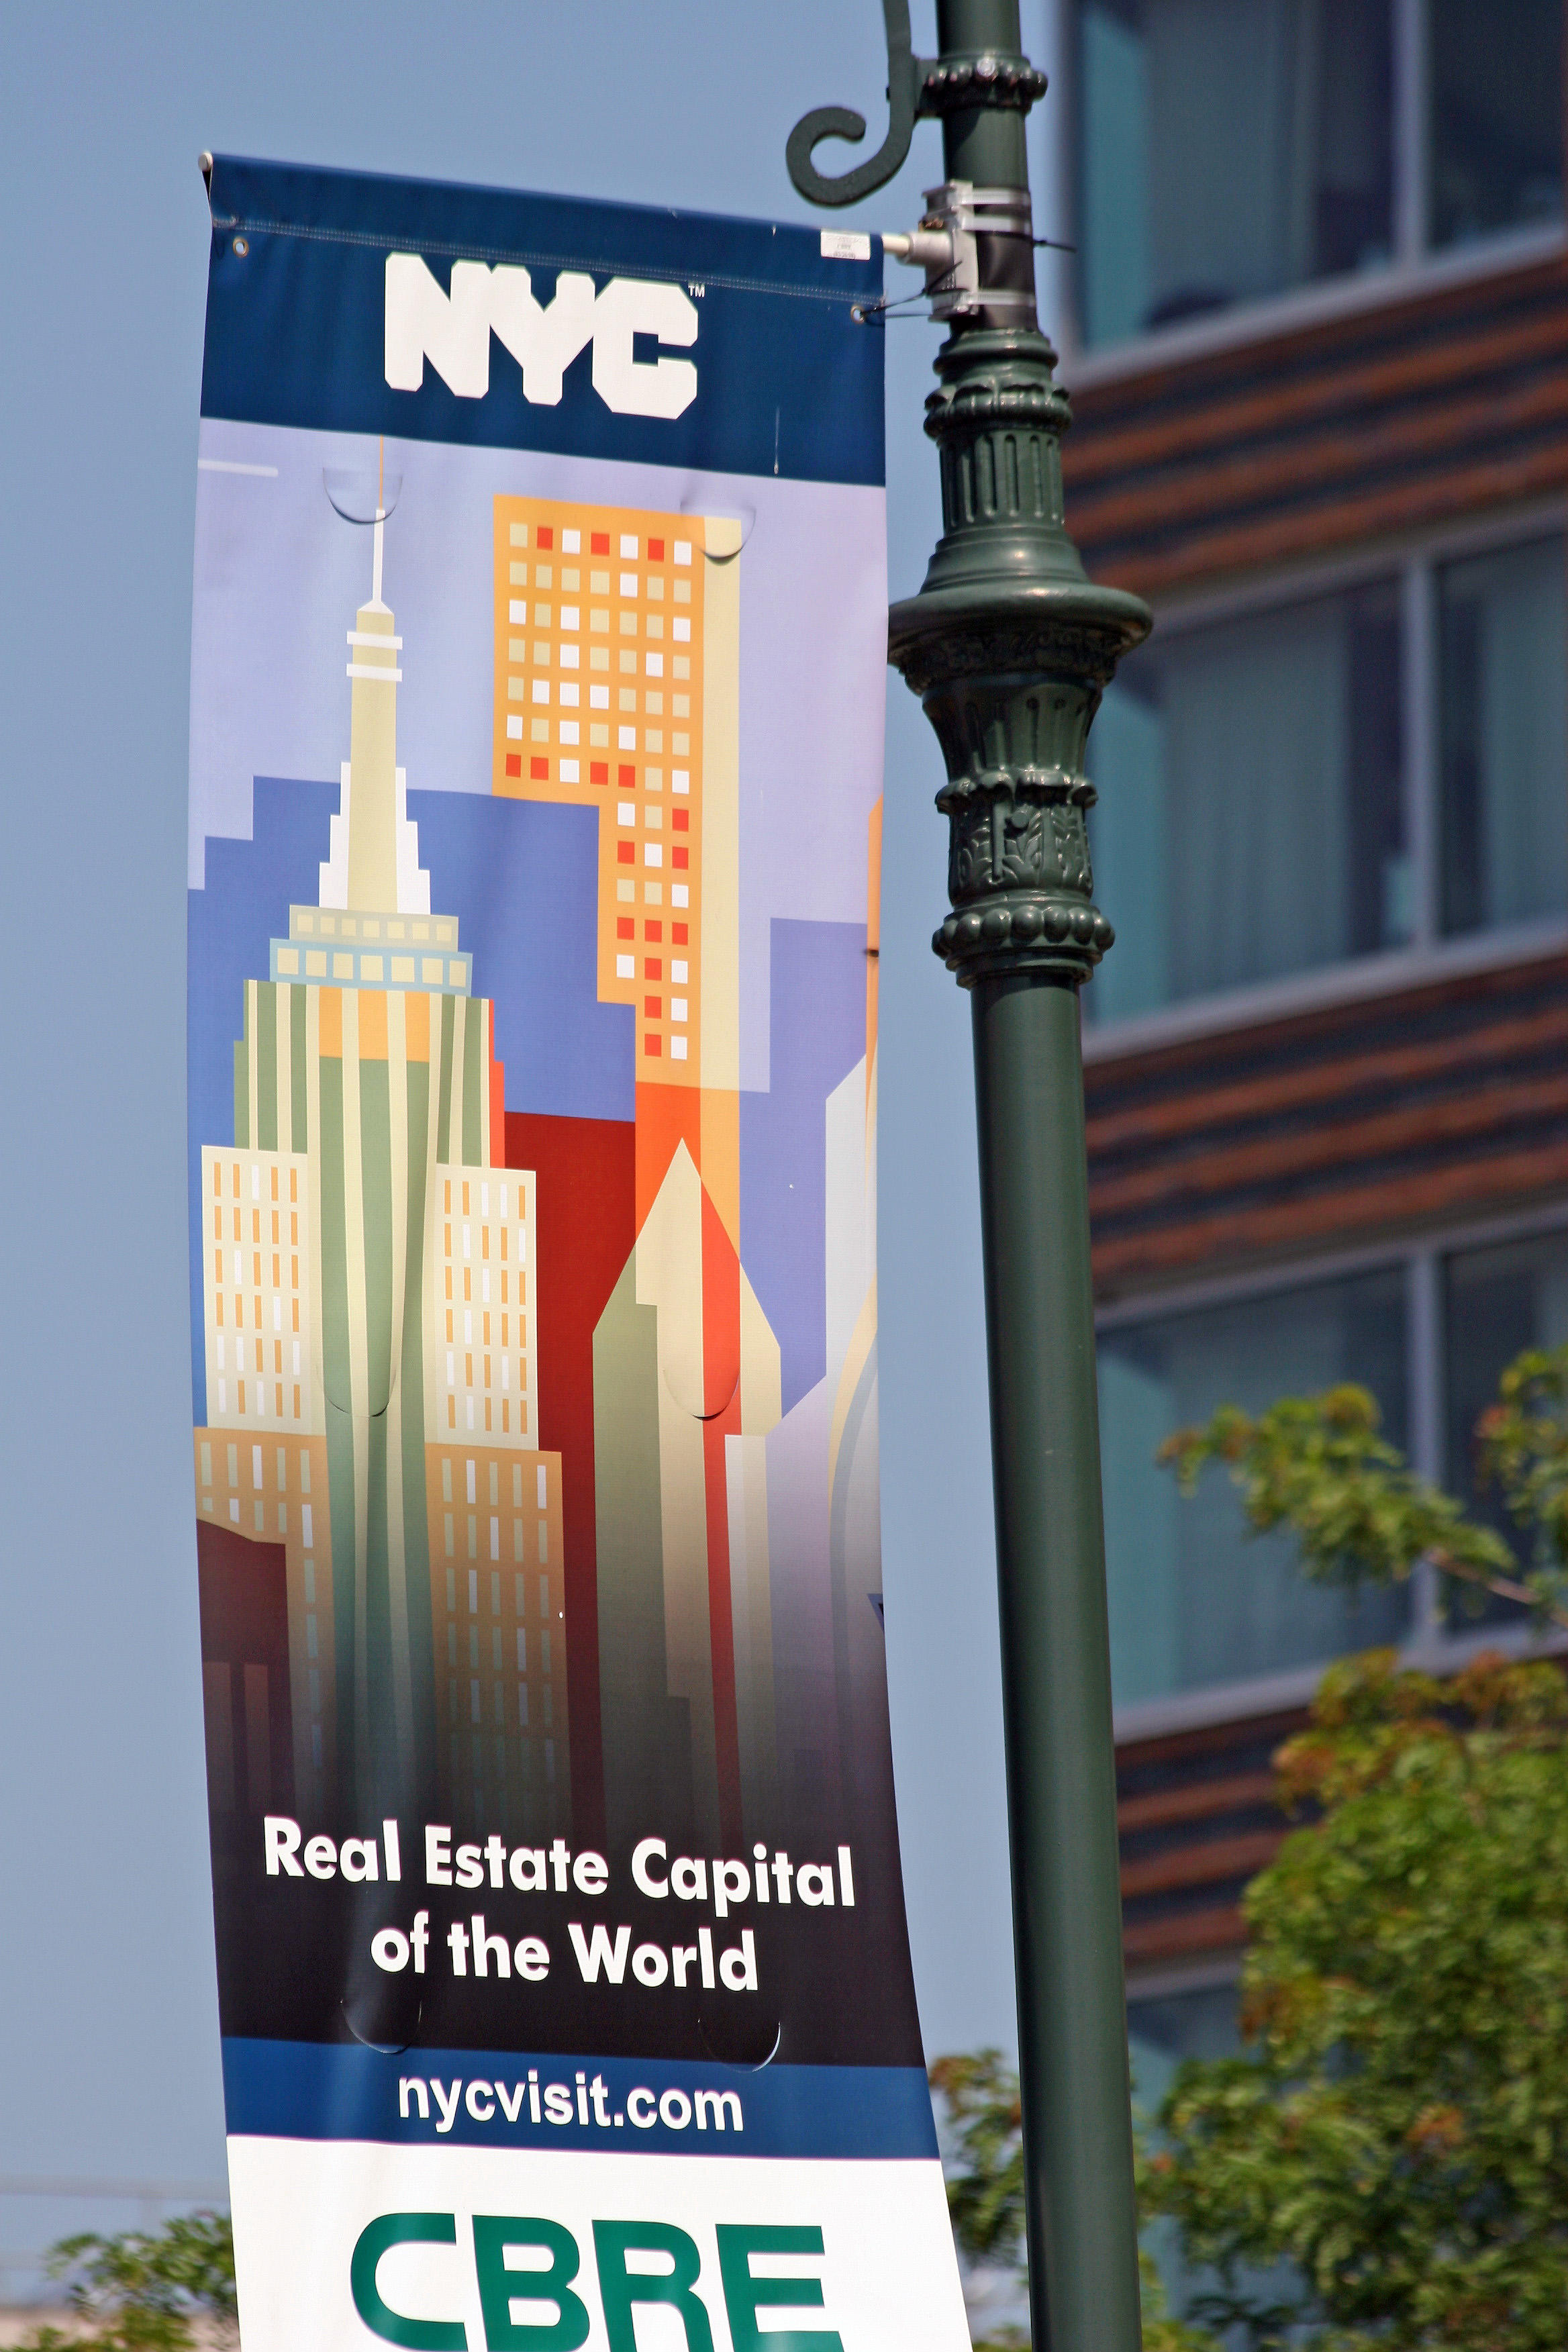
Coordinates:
448	251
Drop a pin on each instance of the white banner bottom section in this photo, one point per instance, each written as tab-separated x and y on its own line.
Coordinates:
340	2243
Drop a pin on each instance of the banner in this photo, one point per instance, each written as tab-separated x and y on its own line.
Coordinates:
536	720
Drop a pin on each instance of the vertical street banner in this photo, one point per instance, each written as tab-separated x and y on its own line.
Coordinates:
536	723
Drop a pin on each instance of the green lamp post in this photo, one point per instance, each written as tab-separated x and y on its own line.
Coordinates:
1010	645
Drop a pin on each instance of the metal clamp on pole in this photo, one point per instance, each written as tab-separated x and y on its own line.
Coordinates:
976	247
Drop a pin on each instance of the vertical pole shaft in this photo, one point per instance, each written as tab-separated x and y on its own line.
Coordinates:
981	143
1055	1666
1010	647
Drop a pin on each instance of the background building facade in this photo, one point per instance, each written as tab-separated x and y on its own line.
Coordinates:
1319	378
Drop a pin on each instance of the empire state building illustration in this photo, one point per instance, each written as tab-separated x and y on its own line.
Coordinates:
379	1532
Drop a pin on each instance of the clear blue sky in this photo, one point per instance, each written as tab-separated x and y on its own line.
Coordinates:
108	2012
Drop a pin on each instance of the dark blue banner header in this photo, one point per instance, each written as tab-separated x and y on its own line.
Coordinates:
344	303
308	2090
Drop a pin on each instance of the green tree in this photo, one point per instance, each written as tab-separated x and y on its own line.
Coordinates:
1320	1466
1397	2128
145	2291
1395	2133
985	2188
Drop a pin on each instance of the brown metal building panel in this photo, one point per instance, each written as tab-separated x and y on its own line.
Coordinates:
1180	499
1305	1086
1194	1935
1365	1212
1342	1125
1128	428
1362	1120
1198	1818
1297	445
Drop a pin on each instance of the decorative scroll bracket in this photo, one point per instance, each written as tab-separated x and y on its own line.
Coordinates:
915	86
906	73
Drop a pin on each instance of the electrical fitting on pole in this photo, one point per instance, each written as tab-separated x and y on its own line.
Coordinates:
976	247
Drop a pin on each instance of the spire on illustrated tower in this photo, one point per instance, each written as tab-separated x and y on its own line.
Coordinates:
372	797
373	864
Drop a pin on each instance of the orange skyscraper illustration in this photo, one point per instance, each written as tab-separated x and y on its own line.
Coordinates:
616	684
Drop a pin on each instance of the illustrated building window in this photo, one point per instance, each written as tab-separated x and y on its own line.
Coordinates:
1227	150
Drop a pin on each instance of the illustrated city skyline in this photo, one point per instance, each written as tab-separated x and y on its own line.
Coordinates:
500	1491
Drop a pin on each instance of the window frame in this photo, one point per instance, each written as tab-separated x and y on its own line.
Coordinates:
1430	1645
1172	1978
1415	266
1413	563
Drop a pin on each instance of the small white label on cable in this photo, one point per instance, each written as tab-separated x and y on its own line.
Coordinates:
845	244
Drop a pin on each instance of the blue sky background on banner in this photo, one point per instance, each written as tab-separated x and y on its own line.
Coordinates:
108	2047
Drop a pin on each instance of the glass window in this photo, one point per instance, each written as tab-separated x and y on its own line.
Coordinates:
1502	660
1250	819
1202	2022
1229	148
1496	1301
1496	116
1199	2023
1195	1600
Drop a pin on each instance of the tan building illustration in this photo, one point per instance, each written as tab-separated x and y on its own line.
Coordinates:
371	1365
